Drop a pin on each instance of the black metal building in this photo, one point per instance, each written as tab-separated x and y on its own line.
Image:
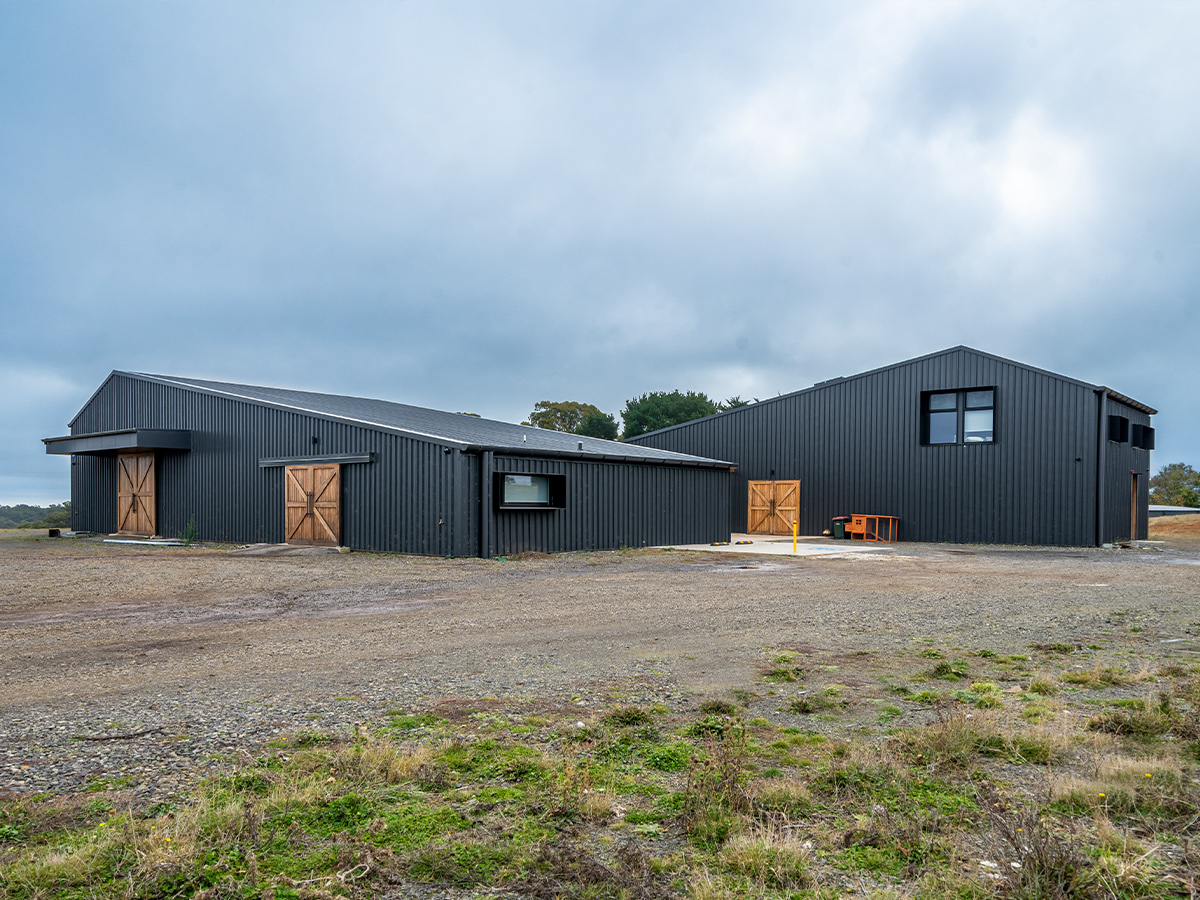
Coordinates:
151	454
960	445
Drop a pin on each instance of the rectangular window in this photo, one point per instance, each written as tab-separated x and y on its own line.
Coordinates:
977	418
942	422
958	417
1118	429
519	491
533	489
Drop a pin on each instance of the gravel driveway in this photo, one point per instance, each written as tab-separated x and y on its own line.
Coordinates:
141	668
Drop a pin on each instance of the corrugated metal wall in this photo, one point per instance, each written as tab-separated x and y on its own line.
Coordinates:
855	445
1122	462
610	505
404	501
415	497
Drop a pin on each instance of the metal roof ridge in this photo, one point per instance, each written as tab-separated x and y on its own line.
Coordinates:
904	362
463	445
315	412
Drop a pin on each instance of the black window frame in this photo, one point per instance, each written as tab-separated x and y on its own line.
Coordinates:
557	493
961	408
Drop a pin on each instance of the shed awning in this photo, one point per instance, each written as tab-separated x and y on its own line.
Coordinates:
113	441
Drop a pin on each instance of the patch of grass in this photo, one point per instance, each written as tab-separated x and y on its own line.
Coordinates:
783	674
1058	647
888	714
1134	703
928	697
780	795
669	757
930	653
715	707
629	716
815	701
1099	677
958	741
1119	786
502	801
407	722
1038	711
1135	723
770	857
307	738
1044	686
950	671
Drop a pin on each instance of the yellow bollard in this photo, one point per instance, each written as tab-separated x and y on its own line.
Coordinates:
795	532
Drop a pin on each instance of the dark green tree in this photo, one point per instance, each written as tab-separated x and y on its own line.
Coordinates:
734	403
661	409
598	425
1176	484
566	415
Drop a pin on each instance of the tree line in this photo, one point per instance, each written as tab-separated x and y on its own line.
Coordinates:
22	515
649	412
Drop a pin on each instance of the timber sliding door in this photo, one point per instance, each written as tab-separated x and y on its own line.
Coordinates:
136	509
313	505
773	507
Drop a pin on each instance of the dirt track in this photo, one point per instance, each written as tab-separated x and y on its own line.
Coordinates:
219	652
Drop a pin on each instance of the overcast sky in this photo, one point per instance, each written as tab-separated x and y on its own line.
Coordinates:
476	206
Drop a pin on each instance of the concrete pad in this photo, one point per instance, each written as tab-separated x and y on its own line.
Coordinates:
281	550
778	545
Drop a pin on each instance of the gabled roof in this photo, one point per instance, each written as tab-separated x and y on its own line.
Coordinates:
465	432
820	385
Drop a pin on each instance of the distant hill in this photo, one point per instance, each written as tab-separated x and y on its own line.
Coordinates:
57	515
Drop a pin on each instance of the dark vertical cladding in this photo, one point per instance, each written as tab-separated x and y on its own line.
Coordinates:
404	500
416	495
611	505
1123	460
855	444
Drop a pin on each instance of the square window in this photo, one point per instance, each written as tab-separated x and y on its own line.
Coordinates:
977	425
959	417
943	427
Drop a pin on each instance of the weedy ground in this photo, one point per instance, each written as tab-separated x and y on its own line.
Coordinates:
1064	772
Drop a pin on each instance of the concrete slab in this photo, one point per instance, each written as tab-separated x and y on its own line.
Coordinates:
781	546
281	550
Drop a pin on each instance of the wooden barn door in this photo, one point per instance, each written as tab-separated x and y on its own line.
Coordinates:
773	507
136	510
314	505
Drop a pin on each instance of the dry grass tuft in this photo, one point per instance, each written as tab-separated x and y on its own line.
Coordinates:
771	856
958	739
383	760
1101	676
789	797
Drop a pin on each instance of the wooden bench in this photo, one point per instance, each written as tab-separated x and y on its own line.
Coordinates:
885	529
